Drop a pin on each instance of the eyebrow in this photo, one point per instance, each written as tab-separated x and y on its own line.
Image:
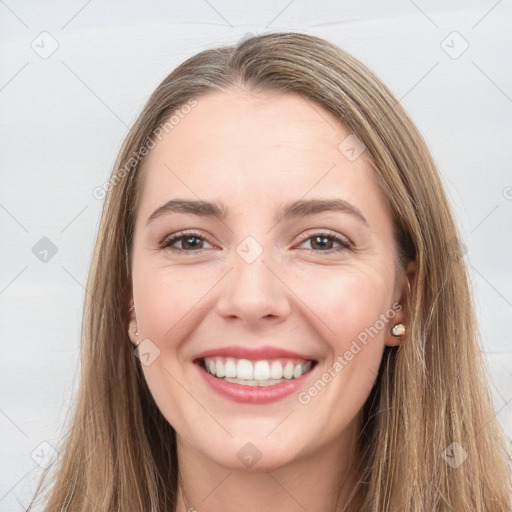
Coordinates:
218	210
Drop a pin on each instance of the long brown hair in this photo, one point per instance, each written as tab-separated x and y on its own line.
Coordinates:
432	391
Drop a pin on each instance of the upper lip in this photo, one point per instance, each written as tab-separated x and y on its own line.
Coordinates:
252	353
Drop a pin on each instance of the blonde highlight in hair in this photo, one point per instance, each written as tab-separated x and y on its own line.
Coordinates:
120	452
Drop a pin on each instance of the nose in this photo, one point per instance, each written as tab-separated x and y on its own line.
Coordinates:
254	293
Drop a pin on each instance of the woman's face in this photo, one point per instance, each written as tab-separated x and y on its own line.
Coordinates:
311	282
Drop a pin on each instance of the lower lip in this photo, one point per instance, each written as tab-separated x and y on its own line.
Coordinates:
253	394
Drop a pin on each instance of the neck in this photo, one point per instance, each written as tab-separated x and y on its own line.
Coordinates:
323	481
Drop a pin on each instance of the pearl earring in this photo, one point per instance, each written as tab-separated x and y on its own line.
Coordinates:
136	342
398	330
136	333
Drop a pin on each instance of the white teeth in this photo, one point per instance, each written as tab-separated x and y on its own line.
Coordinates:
276	370
230	367
288	370
219	368
261	370
244	369
256	373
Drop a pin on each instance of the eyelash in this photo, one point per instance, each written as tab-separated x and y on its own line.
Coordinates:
344	244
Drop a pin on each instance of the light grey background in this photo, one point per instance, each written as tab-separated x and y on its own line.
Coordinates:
63	118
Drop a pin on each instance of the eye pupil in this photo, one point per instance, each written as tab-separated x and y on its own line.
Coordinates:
188	239
323	240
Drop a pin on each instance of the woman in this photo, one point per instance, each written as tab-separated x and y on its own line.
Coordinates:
277	247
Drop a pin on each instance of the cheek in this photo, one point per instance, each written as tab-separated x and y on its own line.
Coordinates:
168	299
350	315
346	301
168	302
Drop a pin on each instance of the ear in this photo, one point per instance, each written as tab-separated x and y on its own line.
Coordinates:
132	323
403	293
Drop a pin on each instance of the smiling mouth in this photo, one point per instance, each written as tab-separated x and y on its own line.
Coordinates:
268	372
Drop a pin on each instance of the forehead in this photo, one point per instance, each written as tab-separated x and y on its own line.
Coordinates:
239	123
256	148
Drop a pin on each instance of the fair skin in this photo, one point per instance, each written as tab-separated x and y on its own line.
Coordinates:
254	153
